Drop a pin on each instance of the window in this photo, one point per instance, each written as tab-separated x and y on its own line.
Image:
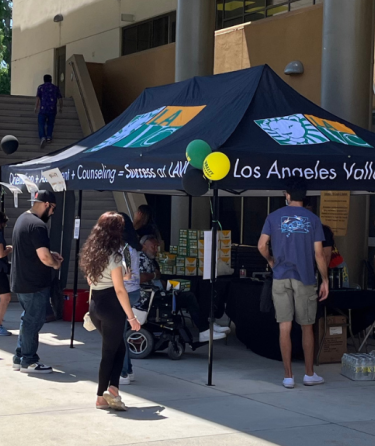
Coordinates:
234	12
149	34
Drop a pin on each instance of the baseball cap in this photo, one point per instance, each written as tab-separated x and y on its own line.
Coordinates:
44	196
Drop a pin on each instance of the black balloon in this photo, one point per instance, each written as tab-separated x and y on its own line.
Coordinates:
9	144
194	183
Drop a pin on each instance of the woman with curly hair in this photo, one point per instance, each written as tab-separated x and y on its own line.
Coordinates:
101	262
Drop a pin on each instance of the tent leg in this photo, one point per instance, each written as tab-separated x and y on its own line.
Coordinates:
215	206
62	230
75	287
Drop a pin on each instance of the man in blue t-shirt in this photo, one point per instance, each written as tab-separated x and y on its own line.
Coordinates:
296	235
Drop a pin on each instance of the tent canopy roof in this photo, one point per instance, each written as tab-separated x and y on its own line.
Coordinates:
267	129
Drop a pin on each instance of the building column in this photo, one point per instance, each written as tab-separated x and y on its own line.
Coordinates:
347	82
195	40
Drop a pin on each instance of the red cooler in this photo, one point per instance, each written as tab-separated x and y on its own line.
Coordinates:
82	305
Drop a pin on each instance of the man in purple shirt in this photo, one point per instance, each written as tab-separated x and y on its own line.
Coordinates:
47	97
296	235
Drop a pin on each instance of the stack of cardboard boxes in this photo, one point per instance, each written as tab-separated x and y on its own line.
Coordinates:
187	258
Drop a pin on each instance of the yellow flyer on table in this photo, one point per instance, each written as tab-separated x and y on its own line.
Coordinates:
334	211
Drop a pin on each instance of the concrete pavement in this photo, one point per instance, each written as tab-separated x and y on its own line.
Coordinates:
169	404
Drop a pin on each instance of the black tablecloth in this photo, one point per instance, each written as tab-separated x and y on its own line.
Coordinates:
260	331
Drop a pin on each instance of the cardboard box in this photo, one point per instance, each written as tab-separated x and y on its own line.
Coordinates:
182	251
224	253
183	242
190	261
192	234
180	270
201	253
225	244
335	343
193	244
190	271
200	271
192	252
169	259
201	234
168	269
180	261
200	244
226	260
183	233
173	249
225	235
179	284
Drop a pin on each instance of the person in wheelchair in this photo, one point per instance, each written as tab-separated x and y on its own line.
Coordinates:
150	275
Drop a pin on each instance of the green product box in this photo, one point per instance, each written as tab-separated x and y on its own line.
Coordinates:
183	242
193	244
182	251
180	261
173	249
192	252
183	233
193	234
168	269
200	263
201	235
180	270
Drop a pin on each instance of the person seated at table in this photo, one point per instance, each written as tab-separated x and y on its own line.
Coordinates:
333	258
144	222
150	275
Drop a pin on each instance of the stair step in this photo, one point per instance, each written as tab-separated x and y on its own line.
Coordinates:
59	132
66	114
18	129
32	120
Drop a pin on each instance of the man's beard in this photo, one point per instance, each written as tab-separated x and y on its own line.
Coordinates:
45	217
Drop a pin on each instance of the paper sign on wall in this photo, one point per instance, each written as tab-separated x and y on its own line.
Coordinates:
334	211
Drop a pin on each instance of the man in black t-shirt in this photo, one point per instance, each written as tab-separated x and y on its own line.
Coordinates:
30	277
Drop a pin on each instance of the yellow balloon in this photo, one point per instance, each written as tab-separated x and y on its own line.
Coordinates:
216	166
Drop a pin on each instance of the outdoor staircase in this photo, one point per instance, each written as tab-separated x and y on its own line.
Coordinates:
17	118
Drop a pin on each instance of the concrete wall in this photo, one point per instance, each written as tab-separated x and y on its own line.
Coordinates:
126	77
277	41
90	27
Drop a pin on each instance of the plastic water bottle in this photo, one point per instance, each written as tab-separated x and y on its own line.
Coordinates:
243	272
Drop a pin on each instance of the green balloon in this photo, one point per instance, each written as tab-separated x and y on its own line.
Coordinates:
196	153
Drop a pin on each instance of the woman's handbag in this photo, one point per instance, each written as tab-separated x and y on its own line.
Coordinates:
87	322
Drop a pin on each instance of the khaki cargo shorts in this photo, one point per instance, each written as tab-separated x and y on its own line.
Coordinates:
291	297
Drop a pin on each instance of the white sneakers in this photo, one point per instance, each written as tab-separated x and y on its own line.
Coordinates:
288	383
307	381
204	336
314	380
219	329
126	380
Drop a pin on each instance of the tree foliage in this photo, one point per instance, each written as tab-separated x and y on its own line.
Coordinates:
5	44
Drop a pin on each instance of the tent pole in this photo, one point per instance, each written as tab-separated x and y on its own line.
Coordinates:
75	287
62	230
215	206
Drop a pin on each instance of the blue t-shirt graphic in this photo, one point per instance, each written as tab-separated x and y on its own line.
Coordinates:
293	231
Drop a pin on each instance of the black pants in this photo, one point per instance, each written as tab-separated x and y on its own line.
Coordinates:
189	301
109	318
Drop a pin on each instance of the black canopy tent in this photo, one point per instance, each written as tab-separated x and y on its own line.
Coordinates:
268	130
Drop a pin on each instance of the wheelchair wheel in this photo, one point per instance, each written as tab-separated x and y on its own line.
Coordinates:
140	343
176	349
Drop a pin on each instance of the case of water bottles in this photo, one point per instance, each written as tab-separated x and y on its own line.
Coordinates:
358	366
